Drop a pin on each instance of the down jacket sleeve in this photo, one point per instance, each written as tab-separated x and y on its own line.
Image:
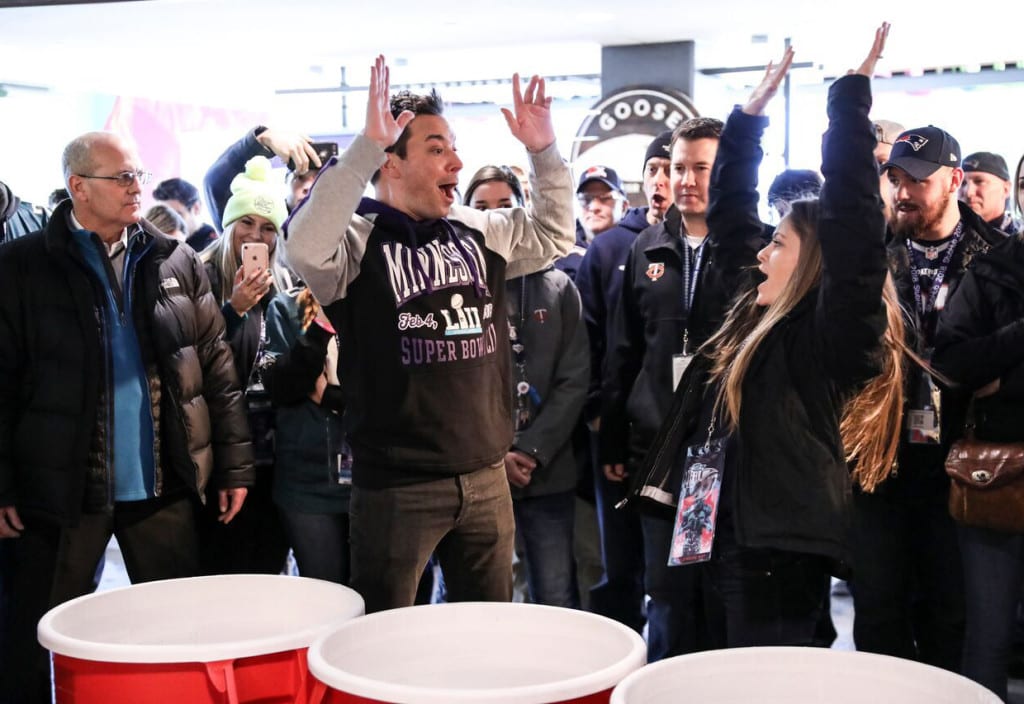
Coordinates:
229	425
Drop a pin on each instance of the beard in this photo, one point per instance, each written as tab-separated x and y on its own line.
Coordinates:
913	223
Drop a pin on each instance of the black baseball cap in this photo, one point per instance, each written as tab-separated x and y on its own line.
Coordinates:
923	150
988	163
605	175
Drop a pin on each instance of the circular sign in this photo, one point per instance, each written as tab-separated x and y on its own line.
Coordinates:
633	111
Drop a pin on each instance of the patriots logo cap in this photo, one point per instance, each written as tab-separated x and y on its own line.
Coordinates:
605	175
922	151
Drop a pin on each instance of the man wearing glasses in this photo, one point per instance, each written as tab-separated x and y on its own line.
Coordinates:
119	401
602	200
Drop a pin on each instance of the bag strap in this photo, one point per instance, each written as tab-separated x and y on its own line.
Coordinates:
969	422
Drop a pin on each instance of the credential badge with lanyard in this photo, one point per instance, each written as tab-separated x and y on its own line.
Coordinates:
694	533
526	393
924	414
690	277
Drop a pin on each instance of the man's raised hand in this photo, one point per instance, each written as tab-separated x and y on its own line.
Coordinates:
381	125
530	117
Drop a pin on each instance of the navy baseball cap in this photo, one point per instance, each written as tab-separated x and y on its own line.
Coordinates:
922	151
603	174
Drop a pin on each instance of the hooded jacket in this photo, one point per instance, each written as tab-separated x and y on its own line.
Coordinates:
599	280
54	376
420	312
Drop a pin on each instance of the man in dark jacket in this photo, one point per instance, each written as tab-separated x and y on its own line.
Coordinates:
658	324
908	586
118	400
549	362
603	203
986	189
18	218
620	593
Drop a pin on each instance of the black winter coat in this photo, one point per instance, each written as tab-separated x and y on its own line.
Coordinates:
649	321
921	467
792	488
54	377
980	338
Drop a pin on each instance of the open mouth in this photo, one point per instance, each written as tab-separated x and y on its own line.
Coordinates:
448	189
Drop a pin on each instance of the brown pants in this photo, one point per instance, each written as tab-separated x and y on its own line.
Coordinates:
466	520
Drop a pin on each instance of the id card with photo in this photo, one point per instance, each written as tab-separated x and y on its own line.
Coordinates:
694	532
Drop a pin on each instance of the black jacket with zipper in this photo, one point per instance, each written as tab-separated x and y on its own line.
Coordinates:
54	378
921	468
792	489
649	321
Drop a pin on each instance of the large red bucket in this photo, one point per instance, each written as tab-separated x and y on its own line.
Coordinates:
225	639
796	676
474	653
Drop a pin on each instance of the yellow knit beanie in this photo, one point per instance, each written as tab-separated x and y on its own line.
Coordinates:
256	191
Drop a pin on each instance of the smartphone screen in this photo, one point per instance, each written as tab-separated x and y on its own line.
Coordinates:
255	257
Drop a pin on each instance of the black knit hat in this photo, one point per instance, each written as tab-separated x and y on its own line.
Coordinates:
661	146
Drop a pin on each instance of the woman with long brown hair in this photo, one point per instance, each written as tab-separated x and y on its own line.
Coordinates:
803	376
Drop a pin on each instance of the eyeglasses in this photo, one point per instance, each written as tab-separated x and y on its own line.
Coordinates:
609	199
125	178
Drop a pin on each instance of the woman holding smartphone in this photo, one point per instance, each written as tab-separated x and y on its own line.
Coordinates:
802	376
244	273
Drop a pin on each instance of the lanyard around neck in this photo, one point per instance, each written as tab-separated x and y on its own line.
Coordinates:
925	306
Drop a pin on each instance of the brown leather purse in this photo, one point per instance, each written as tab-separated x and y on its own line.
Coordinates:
986	482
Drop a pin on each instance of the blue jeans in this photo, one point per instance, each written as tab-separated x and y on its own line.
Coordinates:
320	544
993	571
674	623
620	593
545	526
